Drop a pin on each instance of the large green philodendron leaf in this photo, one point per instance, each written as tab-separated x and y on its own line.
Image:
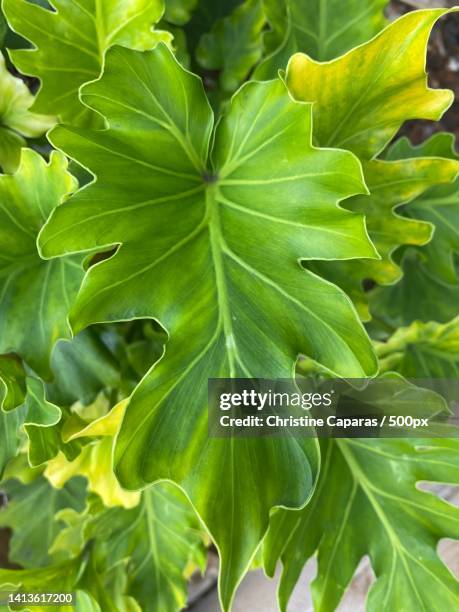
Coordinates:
439	205
362	98
324	29
35	294
234	45
70	44
400	304
35	531
16	120
423	350
368	488
391	184
224	279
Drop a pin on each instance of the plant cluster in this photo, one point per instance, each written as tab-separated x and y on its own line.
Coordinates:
199	189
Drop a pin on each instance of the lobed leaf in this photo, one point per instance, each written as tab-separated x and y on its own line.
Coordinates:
41	424
12	394
35	294
179	12
392	184
324	29
34	532
439	206
60	577
234	45
368	488
400	304
423	350
205	14
363	114
159	538
16	120
70	42
224	279
82	367
94	462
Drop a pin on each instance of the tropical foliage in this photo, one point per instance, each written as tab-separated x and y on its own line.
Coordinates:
199	189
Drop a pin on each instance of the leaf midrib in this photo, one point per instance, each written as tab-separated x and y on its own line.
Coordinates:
216	239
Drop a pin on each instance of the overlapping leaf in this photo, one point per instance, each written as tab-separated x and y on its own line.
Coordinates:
391	185
35	531
363	114
42	423
234	45
60	577
324	29
423	350
439	205
400	304
369	111
204	15
158	541
368	489
179	12
35	294
154	544
16	120
221	279
70	43
83	367
94	462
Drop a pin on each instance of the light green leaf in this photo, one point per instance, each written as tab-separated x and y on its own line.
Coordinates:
324	29
391	184
368	489
95	461
401	304
439	205
70	44
34	531
86	603
16	120
362	98
179	12
35	295
61	577
269	199
158	539
234	45
423	350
